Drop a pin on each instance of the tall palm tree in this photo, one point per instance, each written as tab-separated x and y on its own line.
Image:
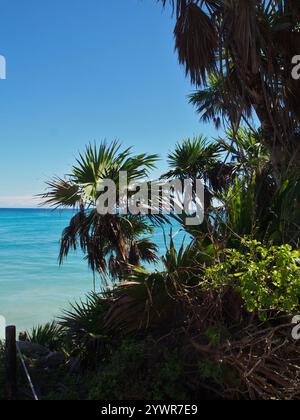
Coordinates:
112	242
198	158
251	43
195	159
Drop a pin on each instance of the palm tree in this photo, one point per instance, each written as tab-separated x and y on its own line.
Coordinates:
216	103
247	152
198	158
250	43
112	242
195	159
242	196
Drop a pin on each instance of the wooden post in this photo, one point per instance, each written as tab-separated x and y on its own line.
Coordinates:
10	364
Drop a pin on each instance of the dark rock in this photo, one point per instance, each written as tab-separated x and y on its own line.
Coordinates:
52	360
32	349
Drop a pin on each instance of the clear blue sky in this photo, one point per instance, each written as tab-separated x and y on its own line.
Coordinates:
84	70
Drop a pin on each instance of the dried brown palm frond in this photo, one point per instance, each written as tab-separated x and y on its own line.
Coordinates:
196	38
257	39
223	101
155	300
141	303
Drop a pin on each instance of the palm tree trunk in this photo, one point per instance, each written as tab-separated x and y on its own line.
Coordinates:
285	151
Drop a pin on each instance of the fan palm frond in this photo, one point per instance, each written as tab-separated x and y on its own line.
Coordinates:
192	157
61	193
106	240
83	325
50	335
147	250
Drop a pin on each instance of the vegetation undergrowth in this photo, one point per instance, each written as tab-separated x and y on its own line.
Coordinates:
187	337
266	278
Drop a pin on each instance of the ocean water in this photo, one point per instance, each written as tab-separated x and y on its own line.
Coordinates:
33	287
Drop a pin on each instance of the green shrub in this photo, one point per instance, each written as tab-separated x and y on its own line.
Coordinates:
115	378
217	373
267	278
170	379
216	334
137	371
212	372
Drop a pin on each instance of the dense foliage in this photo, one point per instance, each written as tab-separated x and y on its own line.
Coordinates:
216	309
266	278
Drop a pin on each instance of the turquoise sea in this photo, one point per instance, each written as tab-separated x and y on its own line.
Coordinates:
33	288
